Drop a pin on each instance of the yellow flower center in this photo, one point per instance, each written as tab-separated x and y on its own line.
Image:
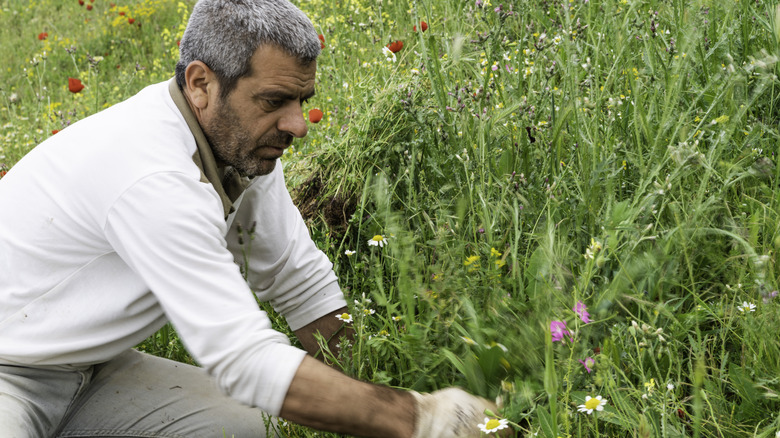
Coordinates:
345	316
492	424
378	238
592	403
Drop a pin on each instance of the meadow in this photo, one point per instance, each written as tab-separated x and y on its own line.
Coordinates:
571	206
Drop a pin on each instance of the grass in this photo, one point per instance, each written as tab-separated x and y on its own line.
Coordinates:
519	158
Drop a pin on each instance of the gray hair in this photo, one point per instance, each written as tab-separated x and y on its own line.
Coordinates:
224	34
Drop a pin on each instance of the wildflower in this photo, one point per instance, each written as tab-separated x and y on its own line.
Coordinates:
722	119
389	55
468	340
81	2
43	35
54	131
349	252
650	386
471	260
131	20
592	404
322	40
346	317
669	386
395	318
582	311
395	46
315	115
494	252
75	85
558	330
595	247
378	240
423	27
588	363
89	7
369	311
747	307
491	425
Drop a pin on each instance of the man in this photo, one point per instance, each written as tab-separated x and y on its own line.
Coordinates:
128	219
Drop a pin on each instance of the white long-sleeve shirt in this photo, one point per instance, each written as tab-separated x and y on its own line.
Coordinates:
120	223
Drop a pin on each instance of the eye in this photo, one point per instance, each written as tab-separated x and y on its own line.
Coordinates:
274	103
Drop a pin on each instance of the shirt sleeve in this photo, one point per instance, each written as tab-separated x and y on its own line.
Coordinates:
169	229
285	267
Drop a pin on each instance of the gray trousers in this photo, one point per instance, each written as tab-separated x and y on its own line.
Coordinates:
133	395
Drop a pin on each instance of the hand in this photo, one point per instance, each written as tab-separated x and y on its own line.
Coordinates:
450	413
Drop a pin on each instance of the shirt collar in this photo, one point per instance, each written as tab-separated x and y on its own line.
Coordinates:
227	182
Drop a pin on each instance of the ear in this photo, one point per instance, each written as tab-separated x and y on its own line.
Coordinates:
200	83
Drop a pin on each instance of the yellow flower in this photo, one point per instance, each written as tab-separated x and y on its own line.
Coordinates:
469	261
494	252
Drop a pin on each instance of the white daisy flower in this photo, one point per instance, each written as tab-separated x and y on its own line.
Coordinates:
592	404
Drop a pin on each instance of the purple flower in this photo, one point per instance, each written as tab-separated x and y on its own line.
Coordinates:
582	311
558	330
588	363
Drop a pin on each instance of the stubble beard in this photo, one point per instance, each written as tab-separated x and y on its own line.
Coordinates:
230	142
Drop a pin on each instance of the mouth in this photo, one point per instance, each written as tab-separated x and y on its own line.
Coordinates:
274	152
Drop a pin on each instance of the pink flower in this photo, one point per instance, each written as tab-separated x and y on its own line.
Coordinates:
558	330
582	311
588	363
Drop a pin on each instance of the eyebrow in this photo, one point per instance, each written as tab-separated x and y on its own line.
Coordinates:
281	95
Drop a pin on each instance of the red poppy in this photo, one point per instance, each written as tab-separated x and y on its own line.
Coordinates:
395	46
2	173
122	13
423	26
315	115
75	85
43	35
89	7
81	2
322	40
54	131
131	20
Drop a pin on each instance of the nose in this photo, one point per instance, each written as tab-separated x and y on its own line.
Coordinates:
292	122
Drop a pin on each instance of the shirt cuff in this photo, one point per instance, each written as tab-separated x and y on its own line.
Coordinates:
325	301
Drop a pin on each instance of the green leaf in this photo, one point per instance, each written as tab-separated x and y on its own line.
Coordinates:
545	421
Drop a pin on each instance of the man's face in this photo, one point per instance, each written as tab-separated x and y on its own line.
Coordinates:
258	120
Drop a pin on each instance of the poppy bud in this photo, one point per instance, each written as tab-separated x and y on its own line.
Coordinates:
395	46
423	26
75	85
315	115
